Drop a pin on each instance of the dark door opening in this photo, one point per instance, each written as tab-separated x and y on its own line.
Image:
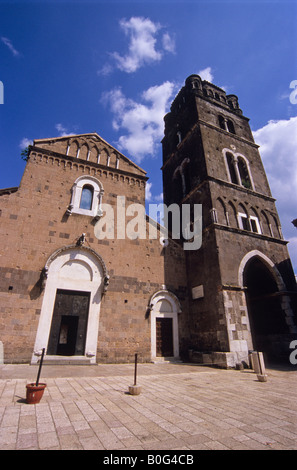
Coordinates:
69	323
164	337
266	316
67	336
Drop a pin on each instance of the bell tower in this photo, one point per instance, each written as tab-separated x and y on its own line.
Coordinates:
241	284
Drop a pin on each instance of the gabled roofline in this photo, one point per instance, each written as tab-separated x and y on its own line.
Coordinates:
71	136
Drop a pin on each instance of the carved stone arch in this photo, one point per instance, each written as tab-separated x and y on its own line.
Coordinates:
166	294
105	156
94	155
232	214
86	249
253	211
73	147
221	212
84	150
265	224
164	308
276	227
243	217
80	181
73	272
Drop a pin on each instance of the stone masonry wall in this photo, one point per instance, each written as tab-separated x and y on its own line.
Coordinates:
35	224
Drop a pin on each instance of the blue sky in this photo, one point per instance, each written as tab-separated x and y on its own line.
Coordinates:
113	67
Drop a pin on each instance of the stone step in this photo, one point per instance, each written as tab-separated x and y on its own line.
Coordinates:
67	360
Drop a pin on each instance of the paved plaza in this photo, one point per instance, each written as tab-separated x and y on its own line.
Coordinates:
180	407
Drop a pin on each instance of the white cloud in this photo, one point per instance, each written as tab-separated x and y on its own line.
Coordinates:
159	198
278	149
142	122
149	197
25	142
168	43
142	50
63	131
148	192
10	46
206	74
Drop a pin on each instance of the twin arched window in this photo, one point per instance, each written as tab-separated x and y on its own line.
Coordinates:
226	124
238	169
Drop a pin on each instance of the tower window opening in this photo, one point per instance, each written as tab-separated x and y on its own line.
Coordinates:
244	174
255	226
230	126
226	124
222	122
243	221
250	224
231	167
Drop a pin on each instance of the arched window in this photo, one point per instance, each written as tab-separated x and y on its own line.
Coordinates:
238	170
244	174
222	122
243	219
254	221
230	126
231	167
226	124
86	199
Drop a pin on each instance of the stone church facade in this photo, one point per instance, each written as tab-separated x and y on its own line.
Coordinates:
89	296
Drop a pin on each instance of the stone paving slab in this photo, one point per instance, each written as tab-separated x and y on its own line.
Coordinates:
181	407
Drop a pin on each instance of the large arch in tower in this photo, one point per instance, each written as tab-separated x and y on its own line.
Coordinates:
264	289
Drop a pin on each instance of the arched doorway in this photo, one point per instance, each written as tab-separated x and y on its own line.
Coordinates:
267	319
164	308
68	327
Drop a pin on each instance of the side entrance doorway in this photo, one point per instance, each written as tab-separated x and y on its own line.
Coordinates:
164	337
164	310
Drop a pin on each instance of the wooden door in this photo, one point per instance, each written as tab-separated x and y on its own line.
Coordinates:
69	323
164	337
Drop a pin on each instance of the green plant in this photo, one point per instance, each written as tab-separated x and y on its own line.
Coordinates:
25	154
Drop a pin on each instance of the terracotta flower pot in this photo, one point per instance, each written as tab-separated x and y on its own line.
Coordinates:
34	393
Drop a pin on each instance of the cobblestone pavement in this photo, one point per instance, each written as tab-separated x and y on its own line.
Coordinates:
181	407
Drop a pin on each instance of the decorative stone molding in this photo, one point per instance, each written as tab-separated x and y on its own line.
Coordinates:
69	248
